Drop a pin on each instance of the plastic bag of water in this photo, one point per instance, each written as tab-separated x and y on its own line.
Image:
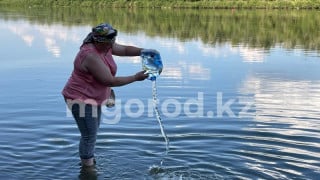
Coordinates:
151	63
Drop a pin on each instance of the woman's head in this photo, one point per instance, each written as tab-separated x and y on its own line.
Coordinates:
103	33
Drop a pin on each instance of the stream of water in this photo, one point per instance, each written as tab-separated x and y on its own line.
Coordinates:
156	110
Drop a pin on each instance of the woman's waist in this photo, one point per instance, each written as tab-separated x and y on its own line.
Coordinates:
88	94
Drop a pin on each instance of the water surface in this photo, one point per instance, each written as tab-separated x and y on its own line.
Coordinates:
239	95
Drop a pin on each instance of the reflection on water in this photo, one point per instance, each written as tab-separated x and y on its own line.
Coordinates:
288	102
255	28
88	173
252	54
277	137
51	37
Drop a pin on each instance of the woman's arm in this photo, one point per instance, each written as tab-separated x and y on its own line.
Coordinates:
123	50
94	65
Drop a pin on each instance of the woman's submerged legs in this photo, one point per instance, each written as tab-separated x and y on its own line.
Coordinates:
88	121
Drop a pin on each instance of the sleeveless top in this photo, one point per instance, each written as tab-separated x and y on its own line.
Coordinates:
82	86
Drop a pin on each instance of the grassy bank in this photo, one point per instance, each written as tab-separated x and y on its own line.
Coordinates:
214	4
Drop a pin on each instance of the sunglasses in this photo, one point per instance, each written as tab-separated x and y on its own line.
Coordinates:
110	38
112	35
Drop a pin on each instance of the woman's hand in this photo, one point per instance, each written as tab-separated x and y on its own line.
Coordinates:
140	76
152	51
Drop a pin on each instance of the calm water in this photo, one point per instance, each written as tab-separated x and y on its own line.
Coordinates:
239	96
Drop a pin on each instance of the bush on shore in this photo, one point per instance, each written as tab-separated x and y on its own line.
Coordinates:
214	4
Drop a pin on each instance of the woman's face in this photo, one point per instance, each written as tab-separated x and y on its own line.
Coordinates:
105	46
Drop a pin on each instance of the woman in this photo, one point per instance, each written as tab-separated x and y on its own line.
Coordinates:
90	83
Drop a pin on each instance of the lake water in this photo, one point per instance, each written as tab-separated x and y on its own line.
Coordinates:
239	95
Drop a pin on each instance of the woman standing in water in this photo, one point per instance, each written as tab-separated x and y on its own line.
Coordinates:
90	83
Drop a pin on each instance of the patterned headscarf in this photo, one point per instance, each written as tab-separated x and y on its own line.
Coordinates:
101	33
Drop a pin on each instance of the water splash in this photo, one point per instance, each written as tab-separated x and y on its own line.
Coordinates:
154	170
155	107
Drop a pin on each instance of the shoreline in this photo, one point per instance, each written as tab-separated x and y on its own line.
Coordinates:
169	4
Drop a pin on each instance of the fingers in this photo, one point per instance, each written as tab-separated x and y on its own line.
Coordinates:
140	76
144	75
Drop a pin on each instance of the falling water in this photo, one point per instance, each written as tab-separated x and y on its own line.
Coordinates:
155	107
152	64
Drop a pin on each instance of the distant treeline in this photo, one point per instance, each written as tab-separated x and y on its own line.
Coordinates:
221	4
254	28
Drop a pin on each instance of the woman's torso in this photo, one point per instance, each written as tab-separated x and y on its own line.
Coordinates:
82	86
